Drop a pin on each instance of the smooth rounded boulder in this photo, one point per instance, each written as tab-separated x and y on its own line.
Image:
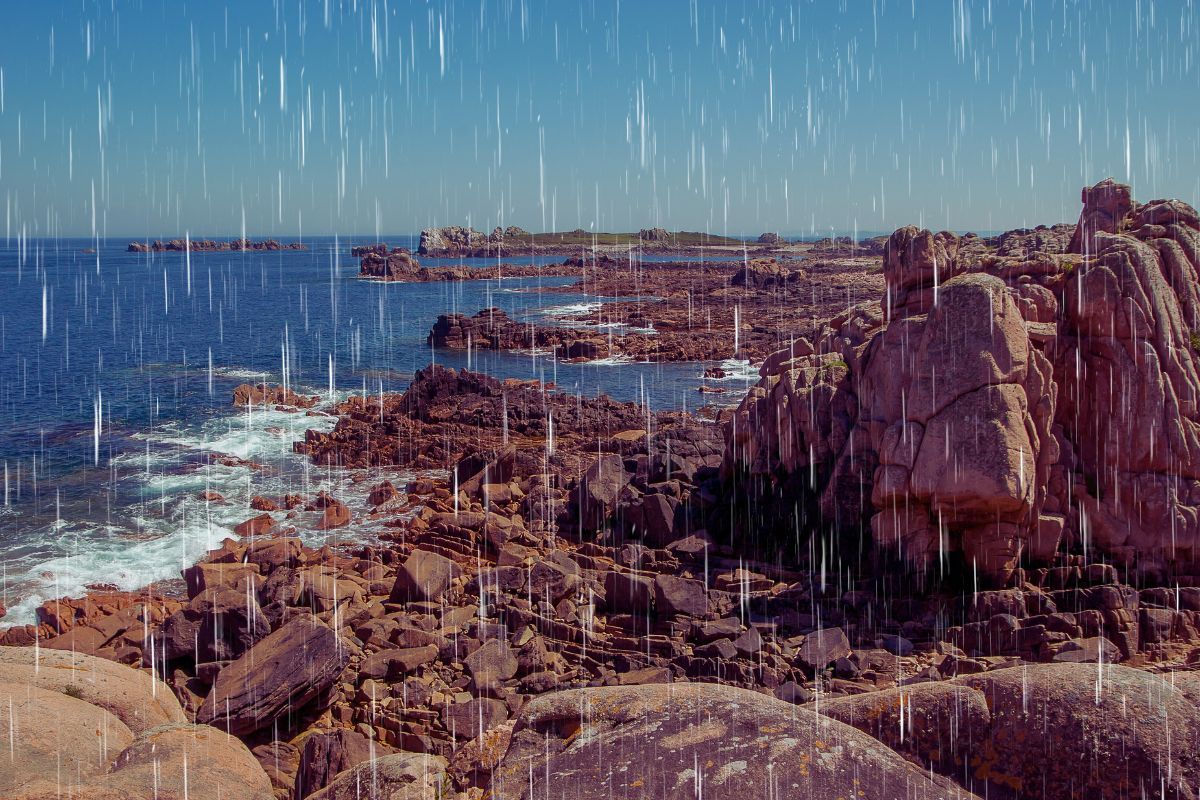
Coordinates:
669	740
47	735
938	724
134	697
82	728
1110	732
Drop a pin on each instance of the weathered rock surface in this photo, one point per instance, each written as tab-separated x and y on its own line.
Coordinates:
1054	731
665	740
1066	730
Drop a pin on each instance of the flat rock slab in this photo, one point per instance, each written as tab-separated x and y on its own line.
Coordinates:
280	673
664	741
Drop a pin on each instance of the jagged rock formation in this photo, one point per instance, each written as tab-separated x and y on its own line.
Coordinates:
489	329
770	238
1003	404
450	239
261	394
455	240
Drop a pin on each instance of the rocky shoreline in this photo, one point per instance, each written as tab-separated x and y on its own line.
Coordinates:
933	552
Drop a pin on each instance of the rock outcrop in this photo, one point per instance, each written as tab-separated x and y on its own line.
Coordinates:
263	395
1001	408
450	240
665	741
376	261
654	235
765	273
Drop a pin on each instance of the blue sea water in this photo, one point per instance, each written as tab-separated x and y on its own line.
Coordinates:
116	374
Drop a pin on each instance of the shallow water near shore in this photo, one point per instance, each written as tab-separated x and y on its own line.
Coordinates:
116	374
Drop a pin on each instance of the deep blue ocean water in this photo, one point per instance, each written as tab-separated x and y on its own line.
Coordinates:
116	374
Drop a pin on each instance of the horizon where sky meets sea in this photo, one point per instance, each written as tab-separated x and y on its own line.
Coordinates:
153	119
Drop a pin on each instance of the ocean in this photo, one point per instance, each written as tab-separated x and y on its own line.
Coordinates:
116	379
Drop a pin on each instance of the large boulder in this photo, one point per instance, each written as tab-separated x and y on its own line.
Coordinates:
47	734
942	725
599	490
665	741
216	625
423	577
197	762
277	676
1062	731
135	698
89	729
328	753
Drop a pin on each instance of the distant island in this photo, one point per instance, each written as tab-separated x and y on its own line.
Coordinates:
457	241
209	245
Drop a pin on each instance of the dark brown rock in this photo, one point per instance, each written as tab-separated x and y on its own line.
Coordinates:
280	674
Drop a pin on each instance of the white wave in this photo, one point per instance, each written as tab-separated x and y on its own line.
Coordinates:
612	361
737	369
570	308
258	376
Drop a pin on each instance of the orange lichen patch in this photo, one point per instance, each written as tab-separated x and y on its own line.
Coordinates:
985	769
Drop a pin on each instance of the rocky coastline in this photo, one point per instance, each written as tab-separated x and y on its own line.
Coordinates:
947	546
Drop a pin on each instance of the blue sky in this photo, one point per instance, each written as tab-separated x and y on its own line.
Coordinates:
156	117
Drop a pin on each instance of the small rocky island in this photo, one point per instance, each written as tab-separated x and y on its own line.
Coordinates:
210	245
